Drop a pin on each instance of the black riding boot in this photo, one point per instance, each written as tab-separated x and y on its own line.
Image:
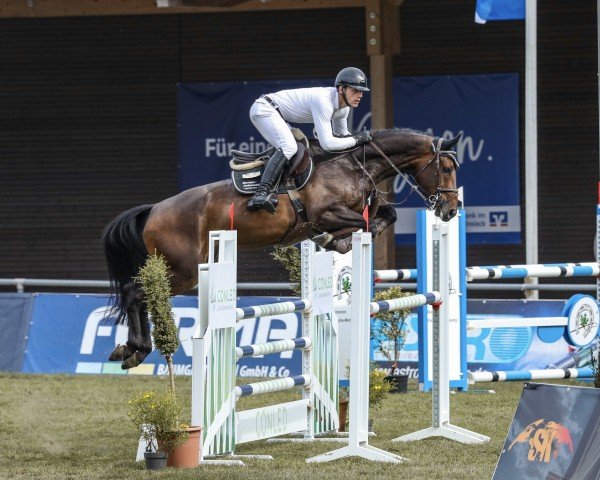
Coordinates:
265	197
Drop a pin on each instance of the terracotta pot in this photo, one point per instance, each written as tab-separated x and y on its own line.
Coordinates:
343	413
186	455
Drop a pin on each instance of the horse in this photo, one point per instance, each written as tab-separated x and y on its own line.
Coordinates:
334	201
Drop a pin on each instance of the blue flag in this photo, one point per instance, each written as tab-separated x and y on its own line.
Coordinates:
499	10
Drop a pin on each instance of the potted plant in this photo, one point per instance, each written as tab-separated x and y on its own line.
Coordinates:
379	387
389	334
156	417
343	402
157	414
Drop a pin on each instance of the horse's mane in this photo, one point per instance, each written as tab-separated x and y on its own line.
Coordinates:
319	155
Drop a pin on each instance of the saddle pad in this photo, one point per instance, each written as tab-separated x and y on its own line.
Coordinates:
246	181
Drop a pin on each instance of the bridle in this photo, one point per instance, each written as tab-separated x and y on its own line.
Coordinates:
435	200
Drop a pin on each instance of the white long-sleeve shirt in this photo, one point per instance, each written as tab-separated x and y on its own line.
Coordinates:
318	105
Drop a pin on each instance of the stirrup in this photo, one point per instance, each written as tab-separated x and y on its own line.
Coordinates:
268	203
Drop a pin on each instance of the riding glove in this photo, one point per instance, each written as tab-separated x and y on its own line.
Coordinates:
363	137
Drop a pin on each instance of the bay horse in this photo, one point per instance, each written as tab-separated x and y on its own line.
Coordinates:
334	198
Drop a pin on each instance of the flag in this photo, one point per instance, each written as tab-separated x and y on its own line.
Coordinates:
366	215
499	10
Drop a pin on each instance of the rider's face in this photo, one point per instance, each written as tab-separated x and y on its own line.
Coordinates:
353	96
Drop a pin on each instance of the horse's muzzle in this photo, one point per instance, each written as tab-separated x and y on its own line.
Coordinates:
446	214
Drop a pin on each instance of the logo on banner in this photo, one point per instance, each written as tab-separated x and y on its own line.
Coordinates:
499	219
545	439
344	283
221	148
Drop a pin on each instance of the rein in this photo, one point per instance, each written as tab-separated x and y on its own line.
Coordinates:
435	200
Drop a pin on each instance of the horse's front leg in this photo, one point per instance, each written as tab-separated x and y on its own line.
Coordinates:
342	239
385	216
340	222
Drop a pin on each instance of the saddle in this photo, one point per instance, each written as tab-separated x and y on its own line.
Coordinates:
247	168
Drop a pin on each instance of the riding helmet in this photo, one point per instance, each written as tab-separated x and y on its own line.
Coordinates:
352	77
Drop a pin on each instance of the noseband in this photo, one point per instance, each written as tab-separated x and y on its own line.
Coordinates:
435	200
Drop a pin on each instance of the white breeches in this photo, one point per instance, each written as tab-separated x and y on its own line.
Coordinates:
273	127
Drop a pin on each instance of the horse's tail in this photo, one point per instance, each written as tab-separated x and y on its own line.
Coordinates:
125	253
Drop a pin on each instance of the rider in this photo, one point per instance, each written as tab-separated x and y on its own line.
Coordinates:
326	107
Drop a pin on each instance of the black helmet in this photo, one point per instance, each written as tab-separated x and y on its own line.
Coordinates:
352	77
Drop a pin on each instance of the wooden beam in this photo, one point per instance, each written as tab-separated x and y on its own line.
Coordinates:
382	19
382	27
77	8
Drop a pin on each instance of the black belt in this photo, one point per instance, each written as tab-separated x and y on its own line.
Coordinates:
271	102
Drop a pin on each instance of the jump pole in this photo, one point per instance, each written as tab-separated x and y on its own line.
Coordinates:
440	393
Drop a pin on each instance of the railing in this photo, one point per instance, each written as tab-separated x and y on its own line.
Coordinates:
21	283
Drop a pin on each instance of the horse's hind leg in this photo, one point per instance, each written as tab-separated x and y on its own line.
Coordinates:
146	340
133	352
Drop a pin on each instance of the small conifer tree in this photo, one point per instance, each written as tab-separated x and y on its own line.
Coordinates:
154	279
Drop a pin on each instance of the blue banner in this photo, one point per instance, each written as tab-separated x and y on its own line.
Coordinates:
486	109
506	348
68	334
213	119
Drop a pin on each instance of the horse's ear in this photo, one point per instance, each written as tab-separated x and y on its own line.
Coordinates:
448	144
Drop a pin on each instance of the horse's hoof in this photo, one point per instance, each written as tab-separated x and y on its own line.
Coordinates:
377	227
131	362
120	353
323	239
342	246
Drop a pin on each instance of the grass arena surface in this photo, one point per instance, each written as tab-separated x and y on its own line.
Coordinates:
76	427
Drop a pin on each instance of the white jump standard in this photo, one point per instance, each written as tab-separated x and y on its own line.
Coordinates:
214	390
440	393
362	308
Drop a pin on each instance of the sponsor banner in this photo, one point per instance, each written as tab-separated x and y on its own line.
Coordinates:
68	334
506	348
504	219
480	221
272	421
553	435
322	277
486	109
222	294
213	120
342	283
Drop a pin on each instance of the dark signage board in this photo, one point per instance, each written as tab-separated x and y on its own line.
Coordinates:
554	435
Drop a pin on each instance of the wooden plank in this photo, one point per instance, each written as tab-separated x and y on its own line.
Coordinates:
76	8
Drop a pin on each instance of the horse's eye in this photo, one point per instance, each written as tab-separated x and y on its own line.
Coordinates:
448	170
